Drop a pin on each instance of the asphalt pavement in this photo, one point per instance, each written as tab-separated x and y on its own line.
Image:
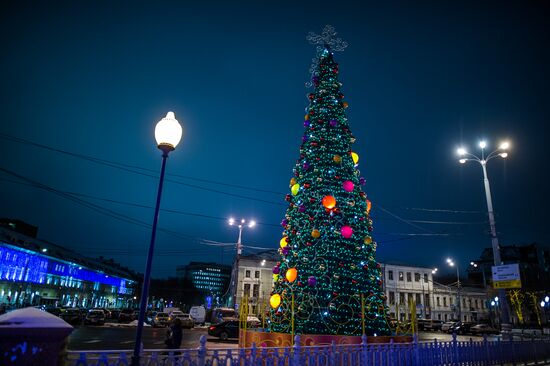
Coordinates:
122	338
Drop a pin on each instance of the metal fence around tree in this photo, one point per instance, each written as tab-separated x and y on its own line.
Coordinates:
454	352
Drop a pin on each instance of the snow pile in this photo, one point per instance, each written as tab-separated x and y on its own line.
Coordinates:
32	318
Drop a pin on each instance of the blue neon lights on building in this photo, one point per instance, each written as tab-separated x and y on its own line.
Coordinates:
22	265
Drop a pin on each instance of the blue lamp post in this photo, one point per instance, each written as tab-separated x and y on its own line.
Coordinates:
168	134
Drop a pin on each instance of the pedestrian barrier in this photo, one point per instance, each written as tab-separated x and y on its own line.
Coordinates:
451	353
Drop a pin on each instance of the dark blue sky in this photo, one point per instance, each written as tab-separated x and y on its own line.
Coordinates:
94	78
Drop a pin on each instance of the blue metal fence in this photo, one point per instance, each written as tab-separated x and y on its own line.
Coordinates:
471	353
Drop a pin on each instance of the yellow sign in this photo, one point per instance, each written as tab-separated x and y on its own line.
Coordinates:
507	284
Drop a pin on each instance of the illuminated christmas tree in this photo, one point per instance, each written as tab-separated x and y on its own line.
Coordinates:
327	281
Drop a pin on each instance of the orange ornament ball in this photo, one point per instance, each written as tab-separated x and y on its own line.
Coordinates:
329	202
367	240
315	233
291	274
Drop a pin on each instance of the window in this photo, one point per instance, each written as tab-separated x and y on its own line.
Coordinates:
417	277
425	277
445	302
465	318
410	297
256	290
463	302
390	275
445	317
418	298
477	304
400	276
256	274
409	277
438	316
402	299
247	273
438	302
427	300
392	297
246	289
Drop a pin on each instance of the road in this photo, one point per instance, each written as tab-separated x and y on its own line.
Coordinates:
115	338
118	338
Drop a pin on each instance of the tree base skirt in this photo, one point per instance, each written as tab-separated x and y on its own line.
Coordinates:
267	339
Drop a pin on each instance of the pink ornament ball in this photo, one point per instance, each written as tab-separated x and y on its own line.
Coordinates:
348	186
346	231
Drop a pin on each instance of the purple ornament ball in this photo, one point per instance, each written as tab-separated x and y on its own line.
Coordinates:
333	123
302	208
276	270
311	281
304	138
306	123
285	250
305	166
284	222
362	181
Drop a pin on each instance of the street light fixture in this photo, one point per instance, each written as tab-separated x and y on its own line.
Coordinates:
483	159
434	271
451	263
235	274
168	134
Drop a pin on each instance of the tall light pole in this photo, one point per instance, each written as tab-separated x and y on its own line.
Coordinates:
451	263
235	275
168	134
465	156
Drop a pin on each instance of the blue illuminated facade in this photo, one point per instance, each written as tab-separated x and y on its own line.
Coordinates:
37	277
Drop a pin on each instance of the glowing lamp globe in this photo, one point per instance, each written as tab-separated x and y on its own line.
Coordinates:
168	132
348	186
283	242
275	301
346	231
291	274
329	202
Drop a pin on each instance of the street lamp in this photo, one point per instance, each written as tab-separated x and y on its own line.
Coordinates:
235	275
465	156
451	263
168	134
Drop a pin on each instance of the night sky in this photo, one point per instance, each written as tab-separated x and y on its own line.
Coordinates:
84	83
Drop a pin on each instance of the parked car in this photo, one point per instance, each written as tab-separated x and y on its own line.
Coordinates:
126	315
483	329
53	310
160	320
434	325
228	329
95	316
461	328
186	320
198	313
445	326
71	316
114	313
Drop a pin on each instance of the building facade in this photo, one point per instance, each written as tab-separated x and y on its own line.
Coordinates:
210	279
407	286
36	272
255	280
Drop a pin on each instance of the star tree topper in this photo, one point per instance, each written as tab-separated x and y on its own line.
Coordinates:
326	40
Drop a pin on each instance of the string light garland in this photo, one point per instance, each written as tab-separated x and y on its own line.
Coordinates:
327	281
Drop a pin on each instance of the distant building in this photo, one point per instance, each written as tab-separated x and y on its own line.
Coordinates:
37	272
403	283
255	280
210	279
